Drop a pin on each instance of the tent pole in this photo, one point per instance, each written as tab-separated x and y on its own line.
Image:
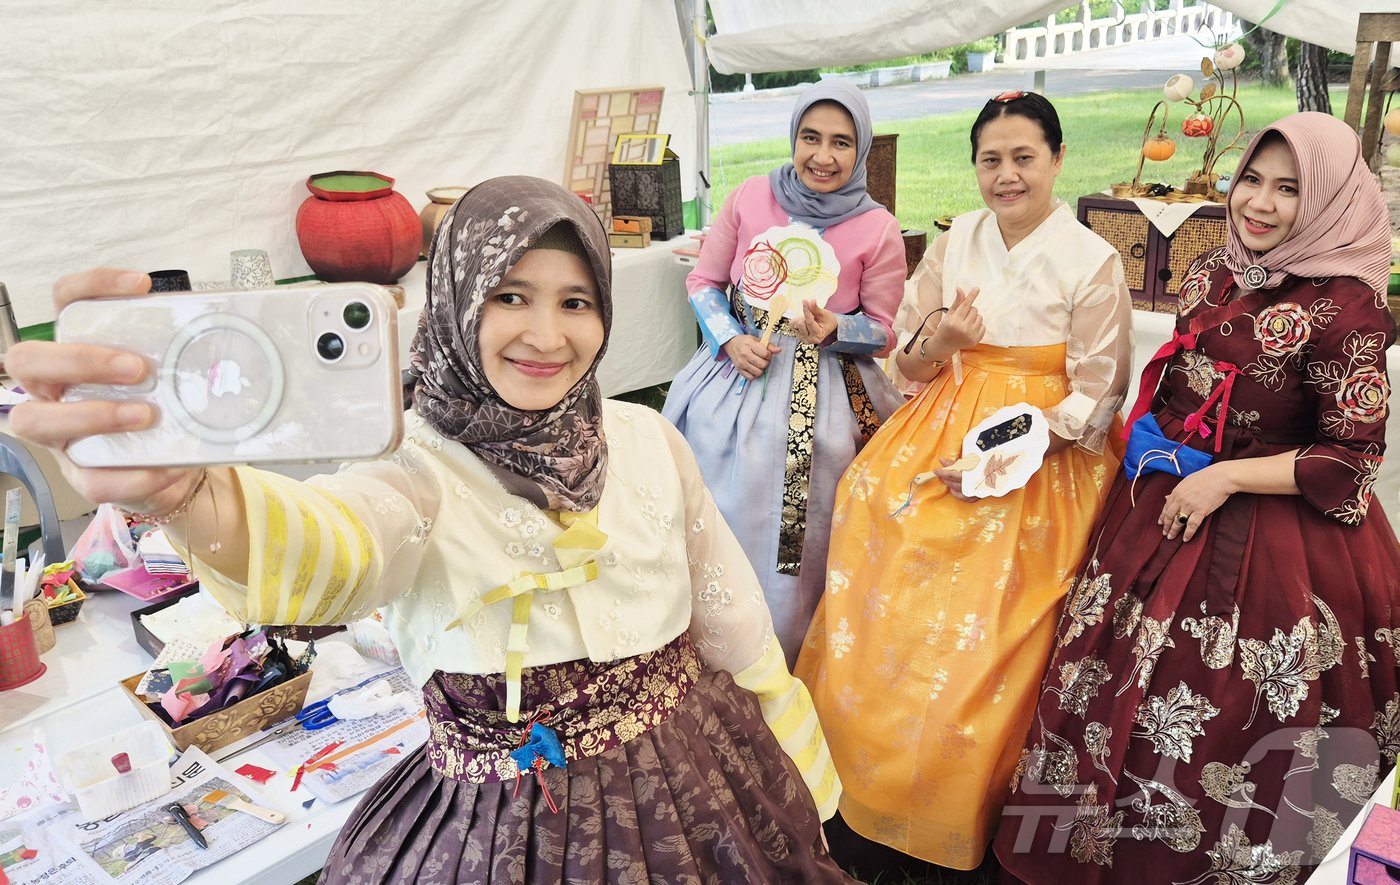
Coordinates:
700	76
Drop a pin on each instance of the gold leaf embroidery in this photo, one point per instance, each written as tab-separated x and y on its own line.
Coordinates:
1234	861
1326	830
1307	744
1363	657
1355	783
1387	727
1171	722
1127	611
1054	768
1217	637
1221	782
1174	823
1096	738
1282	667
1085	607
1152	640
1080	682
1093	830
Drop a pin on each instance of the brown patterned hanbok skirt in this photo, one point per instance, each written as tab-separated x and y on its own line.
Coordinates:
672	777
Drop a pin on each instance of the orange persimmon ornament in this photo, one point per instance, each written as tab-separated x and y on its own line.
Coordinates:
1159	148
1197	125
1392	122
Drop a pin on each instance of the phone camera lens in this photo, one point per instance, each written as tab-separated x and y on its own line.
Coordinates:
356	315
330	346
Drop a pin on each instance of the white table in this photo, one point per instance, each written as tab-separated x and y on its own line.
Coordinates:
654	333
78	698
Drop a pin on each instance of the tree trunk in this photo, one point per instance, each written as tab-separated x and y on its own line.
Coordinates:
1311	79
1272	50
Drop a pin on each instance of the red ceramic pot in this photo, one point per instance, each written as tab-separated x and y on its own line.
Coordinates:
356	227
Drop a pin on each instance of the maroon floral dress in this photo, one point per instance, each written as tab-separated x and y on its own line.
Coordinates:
1217	711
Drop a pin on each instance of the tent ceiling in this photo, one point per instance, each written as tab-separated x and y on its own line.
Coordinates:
789	35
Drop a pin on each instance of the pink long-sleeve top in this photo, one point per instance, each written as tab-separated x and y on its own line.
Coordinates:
869	286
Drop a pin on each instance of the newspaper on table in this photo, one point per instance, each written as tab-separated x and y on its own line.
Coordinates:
143	846
368	748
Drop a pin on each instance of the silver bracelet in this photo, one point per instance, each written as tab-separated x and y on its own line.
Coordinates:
937	364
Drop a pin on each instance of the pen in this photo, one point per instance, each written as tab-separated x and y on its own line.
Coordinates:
182	817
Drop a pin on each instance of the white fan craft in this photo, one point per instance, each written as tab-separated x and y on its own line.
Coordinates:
1004	451
792	263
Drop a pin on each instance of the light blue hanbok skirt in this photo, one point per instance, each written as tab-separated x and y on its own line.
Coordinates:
742	440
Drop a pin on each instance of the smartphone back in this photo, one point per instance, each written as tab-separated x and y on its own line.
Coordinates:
304	374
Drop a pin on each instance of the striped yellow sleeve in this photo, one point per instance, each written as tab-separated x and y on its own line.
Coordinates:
311	559
788	710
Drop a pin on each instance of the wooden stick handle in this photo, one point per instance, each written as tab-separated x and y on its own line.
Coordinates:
267	814
776	308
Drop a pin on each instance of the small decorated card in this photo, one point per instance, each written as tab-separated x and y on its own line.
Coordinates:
1004	451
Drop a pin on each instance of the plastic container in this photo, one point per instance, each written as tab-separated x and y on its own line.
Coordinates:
90	774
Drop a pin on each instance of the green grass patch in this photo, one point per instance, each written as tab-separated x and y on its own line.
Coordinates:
1103	132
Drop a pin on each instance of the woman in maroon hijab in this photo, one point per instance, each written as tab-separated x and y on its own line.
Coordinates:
1223	697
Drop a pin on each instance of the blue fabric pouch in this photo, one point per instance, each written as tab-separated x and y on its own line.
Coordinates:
1149	450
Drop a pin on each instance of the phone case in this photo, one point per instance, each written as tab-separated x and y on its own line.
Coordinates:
307	374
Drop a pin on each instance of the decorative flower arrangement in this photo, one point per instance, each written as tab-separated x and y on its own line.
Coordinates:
1212	112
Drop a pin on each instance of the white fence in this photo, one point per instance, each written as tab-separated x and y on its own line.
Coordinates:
1028	45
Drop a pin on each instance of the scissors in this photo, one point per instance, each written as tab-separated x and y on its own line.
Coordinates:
316	716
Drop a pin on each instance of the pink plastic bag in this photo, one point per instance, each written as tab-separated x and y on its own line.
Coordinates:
106	545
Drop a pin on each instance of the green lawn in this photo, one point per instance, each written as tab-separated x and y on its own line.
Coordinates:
1103	132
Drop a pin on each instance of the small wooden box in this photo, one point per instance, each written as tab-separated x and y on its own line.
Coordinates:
631	224
629	241
1375	855
223	727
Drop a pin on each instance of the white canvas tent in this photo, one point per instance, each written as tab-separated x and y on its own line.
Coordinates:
789	35
160	134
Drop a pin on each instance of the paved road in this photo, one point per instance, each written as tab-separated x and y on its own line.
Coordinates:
735	119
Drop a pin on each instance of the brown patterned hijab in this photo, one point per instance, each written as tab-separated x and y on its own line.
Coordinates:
556	457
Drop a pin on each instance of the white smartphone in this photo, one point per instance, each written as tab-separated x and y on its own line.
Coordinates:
302	374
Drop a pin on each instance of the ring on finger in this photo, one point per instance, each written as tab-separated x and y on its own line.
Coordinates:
1183	518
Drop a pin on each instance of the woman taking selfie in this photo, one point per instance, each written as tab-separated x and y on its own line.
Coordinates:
556	577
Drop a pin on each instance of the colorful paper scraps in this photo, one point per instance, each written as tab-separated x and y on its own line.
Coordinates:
255	773
196	684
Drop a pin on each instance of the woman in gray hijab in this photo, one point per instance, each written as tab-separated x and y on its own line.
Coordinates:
796	290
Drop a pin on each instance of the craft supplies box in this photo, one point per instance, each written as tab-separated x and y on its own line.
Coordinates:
89	773
223	727
153	643
145	638
1375	855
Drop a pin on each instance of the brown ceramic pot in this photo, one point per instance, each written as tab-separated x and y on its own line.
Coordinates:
442	199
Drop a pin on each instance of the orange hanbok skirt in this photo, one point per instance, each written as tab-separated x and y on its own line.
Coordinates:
926	653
